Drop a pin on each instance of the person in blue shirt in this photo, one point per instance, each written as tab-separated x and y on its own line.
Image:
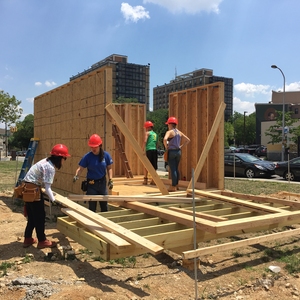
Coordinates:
98	164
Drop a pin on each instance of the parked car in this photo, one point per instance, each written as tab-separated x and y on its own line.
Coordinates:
229	149
282	169
261	151
247	165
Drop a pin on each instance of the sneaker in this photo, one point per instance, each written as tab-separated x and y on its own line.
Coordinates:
46	244
152	182
28	242
145	182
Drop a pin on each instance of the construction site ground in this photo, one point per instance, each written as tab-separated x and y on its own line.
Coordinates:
32	273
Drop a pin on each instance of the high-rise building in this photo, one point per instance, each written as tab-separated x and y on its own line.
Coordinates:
129	80
190	80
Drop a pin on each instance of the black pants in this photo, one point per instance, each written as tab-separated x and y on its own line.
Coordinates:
97	188
36	219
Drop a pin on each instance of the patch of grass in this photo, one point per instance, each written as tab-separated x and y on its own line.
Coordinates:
125	261
264	187
9	173
4	266
27	259
237	254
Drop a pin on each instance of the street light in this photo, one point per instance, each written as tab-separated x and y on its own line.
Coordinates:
244	127
283	112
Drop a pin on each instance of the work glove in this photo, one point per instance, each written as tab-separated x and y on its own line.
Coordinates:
110	184
75	178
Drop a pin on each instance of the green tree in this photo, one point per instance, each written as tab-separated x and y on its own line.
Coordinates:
275	131
10	111
159	118
25	130
125	100
242	134
228	134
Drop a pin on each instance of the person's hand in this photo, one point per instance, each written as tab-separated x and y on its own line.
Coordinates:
75	178
110	184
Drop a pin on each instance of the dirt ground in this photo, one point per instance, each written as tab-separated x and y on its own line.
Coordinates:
48	274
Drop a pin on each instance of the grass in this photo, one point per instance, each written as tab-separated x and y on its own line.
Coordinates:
264	187
9	173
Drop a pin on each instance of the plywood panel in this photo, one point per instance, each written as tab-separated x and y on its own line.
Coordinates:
196	110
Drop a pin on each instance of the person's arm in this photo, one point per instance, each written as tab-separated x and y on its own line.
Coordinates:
49	192
109	172
77	173
185	139
167	135
145	140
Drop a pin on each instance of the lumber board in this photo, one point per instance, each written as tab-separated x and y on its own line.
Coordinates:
262	199
259	221
137	148
95	228
198	214
208	143
238	244
112	198
111	226
250	205
173	216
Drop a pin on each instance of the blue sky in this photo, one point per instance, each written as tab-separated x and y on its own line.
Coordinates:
44	43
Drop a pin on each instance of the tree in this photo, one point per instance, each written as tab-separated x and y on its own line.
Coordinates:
241	134
125	100
159	118
275	131
25	130
10	111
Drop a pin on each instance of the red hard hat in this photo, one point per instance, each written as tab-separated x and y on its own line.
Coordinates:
95	141
148	124
172	120
60	150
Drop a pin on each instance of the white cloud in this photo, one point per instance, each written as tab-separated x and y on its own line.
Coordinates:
50	83
134	13
30	99
294	86
251	89
241	106
47	83
188	6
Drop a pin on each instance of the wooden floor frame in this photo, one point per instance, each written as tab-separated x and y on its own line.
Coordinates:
153	223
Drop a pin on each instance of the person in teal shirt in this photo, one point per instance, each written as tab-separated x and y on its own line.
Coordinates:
150	146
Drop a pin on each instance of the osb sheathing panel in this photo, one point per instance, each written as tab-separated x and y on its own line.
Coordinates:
71	113
196	110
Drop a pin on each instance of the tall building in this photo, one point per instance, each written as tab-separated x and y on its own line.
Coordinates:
129	80
190	80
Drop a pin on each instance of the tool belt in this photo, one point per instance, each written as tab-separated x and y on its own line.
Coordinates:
29	192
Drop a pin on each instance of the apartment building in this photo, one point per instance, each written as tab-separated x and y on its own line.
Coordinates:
129	80
190	80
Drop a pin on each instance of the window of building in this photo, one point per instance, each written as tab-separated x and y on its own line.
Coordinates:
296	111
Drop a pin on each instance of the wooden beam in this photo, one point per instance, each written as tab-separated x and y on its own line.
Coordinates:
95	228
121	198
137	148
198	214
263	199
111	226
249	205
238	244
259	221
172	216
208	143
